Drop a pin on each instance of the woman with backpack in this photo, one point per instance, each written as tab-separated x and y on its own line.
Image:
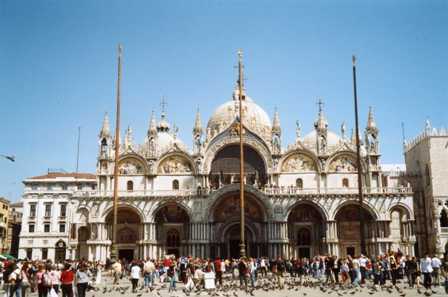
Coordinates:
41	288
15	281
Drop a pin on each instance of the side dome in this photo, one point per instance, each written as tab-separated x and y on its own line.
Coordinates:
254	118
332	139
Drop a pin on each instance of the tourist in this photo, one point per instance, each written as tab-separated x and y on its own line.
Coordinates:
148	274
436	263
41	288
82	280
55	276
426	269
172	277
25	276
135	275
15	281
67	277
117	271
243	273
218	271
252	272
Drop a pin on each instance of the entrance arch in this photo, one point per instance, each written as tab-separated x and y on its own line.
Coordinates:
60	251
129	231
225	167
225	216
348	222
172	223
306	230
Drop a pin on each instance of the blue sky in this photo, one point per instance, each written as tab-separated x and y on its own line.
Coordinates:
58	69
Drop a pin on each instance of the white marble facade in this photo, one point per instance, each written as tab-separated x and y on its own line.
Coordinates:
301	199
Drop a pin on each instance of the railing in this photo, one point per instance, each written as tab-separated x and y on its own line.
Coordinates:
444	229
271	191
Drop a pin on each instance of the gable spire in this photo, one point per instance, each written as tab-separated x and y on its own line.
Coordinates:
105	129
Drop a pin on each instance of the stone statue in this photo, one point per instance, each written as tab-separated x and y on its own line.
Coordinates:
298	130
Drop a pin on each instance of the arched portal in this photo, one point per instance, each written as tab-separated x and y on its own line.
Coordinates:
60	251
225	168
82	249
129	231
306	230
348	222
172	223
225	216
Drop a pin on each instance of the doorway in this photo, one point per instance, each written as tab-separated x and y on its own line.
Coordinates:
127	254
351	251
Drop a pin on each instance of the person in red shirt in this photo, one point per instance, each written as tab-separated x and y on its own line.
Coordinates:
67	277
218	272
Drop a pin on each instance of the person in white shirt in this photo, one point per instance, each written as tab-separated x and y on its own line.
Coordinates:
436	263
135	276
426	269
148	273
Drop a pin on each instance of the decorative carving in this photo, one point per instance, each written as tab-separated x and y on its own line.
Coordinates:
175	164
343	164
298	162
130	166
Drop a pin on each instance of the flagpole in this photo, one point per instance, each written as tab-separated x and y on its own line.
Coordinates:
114	251
358	161
241	98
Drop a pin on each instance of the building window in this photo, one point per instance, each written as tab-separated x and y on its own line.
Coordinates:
345	183
47	210
63	210
44	254
299	183
34	187
79	187
49	187
29	253
31	228
64	187
32	210
130	186
427	175
47	228
93	187
175	184
443	219
62	228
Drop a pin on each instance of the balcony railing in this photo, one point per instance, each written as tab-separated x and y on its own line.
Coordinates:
271	191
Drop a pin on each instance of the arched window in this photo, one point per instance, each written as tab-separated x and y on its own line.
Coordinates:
103	145
175	184
304	237
345	183
299	183
130	186
427	175
443	218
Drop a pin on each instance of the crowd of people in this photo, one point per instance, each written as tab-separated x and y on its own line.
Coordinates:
71	278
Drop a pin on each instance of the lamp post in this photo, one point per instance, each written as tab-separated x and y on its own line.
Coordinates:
241	98
113	250
358	163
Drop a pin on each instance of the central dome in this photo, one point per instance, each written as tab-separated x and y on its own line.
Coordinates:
254	117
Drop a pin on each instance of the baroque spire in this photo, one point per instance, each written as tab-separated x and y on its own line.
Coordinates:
321	123
197	129
276	128
128	138
371	124
152	131
105	129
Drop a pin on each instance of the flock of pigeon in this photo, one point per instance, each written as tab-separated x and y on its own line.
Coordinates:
267	286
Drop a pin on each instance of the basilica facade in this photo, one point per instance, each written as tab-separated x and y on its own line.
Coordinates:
301	198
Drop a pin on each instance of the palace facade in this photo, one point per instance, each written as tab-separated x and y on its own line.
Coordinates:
301	199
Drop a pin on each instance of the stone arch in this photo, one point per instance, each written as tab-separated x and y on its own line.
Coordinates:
403	208
109	211
83	216
348	159
184	162
300	152
132	164
321	210
367	206
226	138
151	214
216	196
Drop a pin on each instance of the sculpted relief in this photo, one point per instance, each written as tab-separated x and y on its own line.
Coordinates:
175	164
343	164
130	167
298	162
